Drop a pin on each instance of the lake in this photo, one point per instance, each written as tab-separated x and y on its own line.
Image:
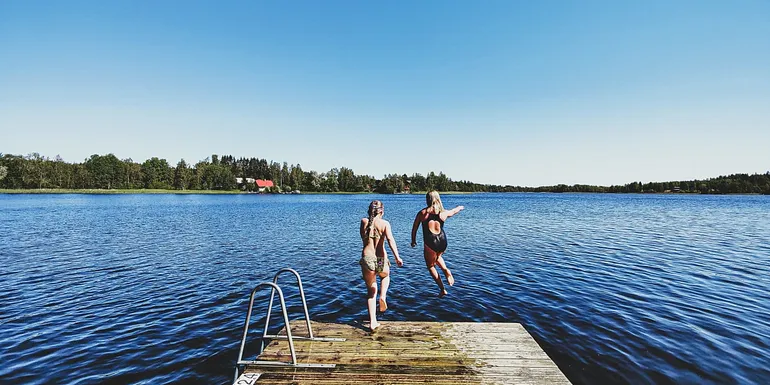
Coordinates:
153	289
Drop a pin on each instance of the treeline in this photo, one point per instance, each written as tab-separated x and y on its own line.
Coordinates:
35	171
731	184
220	172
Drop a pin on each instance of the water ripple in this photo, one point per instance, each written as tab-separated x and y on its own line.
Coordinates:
622	289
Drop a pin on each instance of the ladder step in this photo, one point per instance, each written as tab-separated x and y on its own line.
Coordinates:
285	364
295	338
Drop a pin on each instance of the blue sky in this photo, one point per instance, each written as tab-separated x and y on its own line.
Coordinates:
506	92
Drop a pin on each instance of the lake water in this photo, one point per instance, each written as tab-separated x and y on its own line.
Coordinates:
153	289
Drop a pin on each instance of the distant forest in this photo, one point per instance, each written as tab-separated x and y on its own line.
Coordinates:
220	172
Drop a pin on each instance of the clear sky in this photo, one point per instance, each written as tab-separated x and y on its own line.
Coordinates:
505	92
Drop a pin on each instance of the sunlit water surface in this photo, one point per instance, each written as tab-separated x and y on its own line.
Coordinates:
153	289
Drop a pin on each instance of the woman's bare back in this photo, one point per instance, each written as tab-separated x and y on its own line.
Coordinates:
376	238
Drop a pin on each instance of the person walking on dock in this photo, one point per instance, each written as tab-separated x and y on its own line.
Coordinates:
432	219
374	260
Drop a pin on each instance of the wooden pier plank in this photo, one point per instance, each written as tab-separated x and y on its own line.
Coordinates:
412	353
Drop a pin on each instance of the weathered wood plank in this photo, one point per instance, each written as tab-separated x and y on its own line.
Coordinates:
355	345
404	355
451	370
299	328
426	361
406	380
413	353
518	378
429	343
398	379
406	336
522	375
517	372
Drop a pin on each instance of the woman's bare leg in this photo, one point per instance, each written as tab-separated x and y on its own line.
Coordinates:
370	278
384	283
430	263
442	265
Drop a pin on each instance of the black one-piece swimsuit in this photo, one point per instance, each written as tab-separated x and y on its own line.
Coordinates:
436	242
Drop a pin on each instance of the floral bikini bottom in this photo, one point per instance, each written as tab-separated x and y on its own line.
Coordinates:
373	263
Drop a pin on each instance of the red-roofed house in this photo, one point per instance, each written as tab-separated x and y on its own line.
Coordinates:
262	184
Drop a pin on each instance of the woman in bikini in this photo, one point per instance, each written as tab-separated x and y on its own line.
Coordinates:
432	219
374	260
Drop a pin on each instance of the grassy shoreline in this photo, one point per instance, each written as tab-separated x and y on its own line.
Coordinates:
116	191
204	192
233	192
164	191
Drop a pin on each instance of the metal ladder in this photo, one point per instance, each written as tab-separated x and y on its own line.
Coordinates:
241	363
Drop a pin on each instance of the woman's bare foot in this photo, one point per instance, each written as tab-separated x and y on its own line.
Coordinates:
442	294
383	305
374	326
450	278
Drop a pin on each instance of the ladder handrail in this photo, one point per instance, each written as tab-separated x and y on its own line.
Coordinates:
302	296
274	287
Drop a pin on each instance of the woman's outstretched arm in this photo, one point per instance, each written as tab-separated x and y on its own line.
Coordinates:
448	213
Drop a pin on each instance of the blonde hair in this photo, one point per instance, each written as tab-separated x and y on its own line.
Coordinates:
375	209
432	199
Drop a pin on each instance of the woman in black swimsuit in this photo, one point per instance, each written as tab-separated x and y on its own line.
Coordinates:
432	219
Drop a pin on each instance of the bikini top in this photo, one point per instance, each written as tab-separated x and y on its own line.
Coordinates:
374	233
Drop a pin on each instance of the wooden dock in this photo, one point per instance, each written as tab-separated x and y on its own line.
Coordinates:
410	353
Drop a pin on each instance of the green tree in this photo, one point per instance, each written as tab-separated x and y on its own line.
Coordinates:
275	172
296	176
80	178
418	183
330	181
106	171
156	173
443	183
207	175
223	178
196	182
215	176
430	181
391	183
60	173
312	181
346	179
284	178
366	183
132	172
33	171
15	170
182	176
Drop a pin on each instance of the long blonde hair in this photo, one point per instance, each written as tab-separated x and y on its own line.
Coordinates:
375	209
432	199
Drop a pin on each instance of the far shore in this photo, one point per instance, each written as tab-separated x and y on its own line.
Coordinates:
233	192
116	191
207	192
